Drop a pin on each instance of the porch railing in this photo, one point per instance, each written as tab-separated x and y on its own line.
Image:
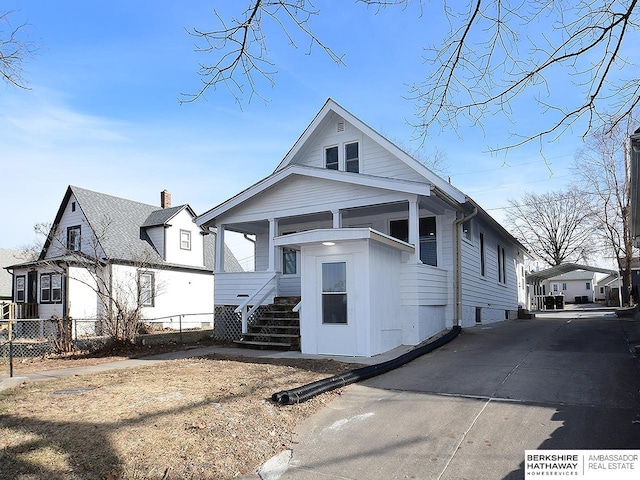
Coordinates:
257	298
18	311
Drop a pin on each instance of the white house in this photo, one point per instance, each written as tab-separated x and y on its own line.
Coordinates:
578	286
381	251
135	248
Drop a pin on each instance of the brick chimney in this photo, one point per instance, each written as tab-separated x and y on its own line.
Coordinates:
165	199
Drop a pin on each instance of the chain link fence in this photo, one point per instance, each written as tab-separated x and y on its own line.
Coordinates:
24	339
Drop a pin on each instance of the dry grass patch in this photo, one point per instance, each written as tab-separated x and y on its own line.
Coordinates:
208	418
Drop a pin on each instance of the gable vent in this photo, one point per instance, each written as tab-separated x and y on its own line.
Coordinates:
340	126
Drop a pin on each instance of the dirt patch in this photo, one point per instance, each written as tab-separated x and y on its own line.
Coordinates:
204	418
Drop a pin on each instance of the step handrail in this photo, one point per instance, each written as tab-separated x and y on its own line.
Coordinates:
243	306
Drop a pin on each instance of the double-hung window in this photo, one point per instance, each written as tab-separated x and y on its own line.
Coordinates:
351	157
146	286
334	293
331	158
50	288
289	261
185	240
20	288
345	157
73	238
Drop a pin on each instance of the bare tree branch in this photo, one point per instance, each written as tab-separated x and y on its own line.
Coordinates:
241	47
14	50
569	57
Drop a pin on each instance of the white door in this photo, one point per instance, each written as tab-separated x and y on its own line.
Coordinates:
336	325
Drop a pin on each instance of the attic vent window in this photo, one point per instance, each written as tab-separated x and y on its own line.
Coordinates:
340	126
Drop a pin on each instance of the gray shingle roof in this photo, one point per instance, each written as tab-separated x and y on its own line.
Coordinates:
121	221
8	257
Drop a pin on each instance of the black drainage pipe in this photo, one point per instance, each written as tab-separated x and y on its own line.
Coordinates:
305	392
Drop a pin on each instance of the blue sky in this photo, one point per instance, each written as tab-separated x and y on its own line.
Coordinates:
102	111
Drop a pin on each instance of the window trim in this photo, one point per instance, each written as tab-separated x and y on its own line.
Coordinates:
77	239
188	233
152	289
344	293
54	294
502	265
19	290
356	160
337	162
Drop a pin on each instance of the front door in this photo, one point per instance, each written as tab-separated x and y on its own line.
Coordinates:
336	323
32	287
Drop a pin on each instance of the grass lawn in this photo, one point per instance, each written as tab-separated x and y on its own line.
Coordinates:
202	418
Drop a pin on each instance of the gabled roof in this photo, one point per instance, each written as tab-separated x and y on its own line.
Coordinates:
332	106
164	216
278	176
120	219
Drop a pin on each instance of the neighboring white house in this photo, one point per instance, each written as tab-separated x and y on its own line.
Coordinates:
578	286
158	252
382	251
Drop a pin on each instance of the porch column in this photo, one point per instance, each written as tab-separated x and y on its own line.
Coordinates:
414	227
273	232
337	218
220	250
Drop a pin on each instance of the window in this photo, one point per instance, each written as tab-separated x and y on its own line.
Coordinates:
73	206
185	239
73	238
334	293
331	158
428	244
502	266
50	288
587	286
482	255
20	283
427	232
146	285
289	261
555	287
564	286
466	230
351	157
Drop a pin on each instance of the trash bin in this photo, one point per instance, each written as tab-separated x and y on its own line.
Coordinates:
578	300
559	302
585	299
549	303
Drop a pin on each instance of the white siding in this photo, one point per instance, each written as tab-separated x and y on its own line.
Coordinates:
487	293
303	195
374	159
234	288
173	252
156	235
71	219
81	294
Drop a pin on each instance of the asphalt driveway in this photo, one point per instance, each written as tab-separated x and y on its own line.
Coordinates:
470	409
